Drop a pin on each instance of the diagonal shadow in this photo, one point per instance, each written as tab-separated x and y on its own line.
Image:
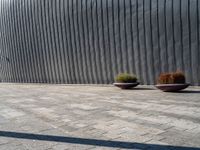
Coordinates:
94	142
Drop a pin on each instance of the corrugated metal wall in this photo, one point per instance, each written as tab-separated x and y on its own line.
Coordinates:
90	41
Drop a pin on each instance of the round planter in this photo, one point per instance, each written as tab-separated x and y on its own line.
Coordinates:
126	85
171	87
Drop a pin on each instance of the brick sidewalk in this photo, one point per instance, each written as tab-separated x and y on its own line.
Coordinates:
58	117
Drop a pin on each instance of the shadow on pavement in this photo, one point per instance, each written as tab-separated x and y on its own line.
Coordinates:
188	91
93	142
141	88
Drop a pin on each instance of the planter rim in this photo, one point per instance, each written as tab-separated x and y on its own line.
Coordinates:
172	87
176	84
118	83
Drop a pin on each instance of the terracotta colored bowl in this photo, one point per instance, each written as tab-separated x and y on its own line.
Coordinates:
126	85
172	87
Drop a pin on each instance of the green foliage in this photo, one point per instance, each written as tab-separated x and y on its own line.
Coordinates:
171	78
126	78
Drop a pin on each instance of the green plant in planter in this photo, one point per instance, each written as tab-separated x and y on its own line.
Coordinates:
125	78
172	78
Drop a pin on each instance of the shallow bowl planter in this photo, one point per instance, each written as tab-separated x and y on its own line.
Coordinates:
126	85
171	87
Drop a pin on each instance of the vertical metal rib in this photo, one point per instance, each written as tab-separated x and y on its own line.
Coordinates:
142	43
198	41
130	44
91	40
83	43
55	37
136	39
96	45
194	40
186	39
148	40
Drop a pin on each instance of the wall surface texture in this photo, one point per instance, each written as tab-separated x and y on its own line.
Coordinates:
90	41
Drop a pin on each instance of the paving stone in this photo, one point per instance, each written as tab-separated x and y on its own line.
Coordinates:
4	140
34	144
11	146
72	147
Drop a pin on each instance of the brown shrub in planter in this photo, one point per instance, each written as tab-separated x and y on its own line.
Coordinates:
178	77
172	78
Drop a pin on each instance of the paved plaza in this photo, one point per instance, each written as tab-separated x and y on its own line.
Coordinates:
91	117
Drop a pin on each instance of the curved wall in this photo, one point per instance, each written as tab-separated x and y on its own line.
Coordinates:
90	41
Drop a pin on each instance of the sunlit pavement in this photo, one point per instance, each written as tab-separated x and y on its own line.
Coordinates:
48	117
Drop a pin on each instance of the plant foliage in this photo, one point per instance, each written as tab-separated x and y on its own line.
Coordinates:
126	78
171	78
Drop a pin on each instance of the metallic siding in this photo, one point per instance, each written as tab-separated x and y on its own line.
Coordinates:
90	41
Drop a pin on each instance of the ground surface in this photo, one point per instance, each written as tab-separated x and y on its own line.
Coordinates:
49	117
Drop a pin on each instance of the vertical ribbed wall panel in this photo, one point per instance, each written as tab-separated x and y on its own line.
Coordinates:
90	41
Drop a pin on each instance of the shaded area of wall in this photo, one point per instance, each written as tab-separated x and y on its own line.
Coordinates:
90	41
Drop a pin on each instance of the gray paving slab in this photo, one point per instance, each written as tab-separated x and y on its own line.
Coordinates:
42	116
